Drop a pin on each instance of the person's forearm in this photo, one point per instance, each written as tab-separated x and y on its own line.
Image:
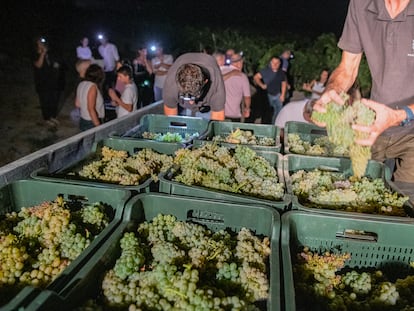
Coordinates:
160	72
127	107
343	77
166	66
401	115
283	90
170	111
94	116
247	102
259	82
340	81
217	115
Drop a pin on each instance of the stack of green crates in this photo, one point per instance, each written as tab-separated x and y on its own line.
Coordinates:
377	244
27	193
68	174
215	215
224	129
293	163
188	127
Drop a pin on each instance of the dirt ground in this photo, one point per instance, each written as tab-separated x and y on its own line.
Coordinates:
22	130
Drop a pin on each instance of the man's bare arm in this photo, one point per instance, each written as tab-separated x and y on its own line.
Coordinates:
343	77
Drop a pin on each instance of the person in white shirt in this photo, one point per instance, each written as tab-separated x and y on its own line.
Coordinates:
161	63
317	87
299	109
110	55
129	97
89	99
83	51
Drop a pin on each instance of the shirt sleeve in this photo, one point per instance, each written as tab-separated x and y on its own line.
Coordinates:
170	89
116	54
246	86
217	90
350	40
128	96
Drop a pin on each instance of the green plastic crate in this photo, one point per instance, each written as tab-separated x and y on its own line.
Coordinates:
387	245
293	163
26	193
215	215
65	174
169	186
22	299
225	128
158	123
307	132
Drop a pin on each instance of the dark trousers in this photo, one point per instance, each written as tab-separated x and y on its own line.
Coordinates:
86	124
49	102
145	95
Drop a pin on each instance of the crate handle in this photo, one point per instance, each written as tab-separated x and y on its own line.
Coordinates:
205	217
180	124
326	168
247	130
359	235
319	132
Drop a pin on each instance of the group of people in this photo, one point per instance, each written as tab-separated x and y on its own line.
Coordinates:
125	85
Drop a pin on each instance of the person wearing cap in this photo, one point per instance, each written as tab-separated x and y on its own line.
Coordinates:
238	98
195	86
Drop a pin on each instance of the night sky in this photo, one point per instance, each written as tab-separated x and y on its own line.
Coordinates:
66	21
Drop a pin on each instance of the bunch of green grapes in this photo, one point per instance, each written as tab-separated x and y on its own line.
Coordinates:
42	241
239	136
360	283
321	146
324	281
317	272
188	267
95	215
339	120
331	189
131	258
238	170
13	257
72	243
117	167
169	137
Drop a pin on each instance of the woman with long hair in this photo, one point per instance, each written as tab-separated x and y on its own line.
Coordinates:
89	98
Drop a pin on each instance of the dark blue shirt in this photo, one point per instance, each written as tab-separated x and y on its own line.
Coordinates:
273	80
